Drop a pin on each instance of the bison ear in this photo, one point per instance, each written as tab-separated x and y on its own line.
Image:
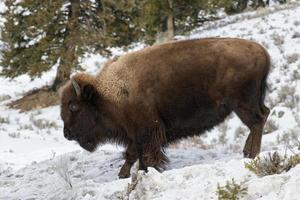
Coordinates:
88	92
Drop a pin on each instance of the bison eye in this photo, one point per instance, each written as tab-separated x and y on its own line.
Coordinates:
73	106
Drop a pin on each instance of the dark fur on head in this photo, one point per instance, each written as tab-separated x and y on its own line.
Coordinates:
84	114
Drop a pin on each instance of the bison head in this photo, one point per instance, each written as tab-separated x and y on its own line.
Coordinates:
80	112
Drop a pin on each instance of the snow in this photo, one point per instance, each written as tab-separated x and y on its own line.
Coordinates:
201	183
36	162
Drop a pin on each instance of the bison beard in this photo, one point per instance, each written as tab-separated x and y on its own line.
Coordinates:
150	98
90	146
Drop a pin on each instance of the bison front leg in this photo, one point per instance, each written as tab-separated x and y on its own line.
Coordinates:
150	149
131	157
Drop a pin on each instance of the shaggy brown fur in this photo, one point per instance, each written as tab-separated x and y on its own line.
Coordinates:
149	98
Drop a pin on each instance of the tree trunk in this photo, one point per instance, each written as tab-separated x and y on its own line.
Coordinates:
68	59
170	26
261	3
242	5
170	22
62	75
168	34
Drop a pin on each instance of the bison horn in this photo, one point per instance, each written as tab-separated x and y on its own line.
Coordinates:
76	87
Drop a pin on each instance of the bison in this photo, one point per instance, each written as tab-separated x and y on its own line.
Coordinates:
150	98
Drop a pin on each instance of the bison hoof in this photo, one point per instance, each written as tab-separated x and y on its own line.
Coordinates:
143	168
123	175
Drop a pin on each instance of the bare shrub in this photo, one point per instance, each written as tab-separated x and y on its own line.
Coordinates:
284	66
62	169
278	39
293	58
272	164
293	161
285	95
43	123
296	74
296	22
26	127
134	181
136	178
240	132
14	135
290	139
4	97
262	31
265	44
4	120
231	191
296	35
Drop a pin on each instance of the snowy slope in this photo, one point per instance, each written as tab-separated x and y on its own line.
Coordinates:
36	162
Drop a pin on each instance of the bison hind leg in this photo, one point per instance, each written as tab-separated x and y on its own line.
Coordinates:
254	117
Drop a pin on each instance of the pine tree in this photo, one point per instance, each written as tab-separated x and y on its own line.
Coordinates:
169	17
118	18
40	34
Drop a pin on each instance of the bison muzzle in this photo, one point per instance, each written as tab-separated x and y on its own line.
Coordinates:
150	98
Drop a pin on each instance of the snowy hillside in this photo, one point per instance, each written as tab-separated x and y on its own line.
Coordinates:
36	162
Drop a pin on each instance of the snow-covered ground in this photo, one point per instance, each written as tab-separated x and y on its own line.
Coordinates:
36	162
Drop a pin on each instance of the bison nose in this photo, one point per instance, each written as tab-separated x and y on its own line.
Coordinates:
67	133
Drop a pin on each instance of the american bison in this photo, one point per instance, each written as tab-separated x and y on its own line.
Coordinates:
147	99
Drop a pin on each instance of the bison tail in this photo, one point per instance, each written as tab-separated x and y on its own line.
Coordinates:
264	85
